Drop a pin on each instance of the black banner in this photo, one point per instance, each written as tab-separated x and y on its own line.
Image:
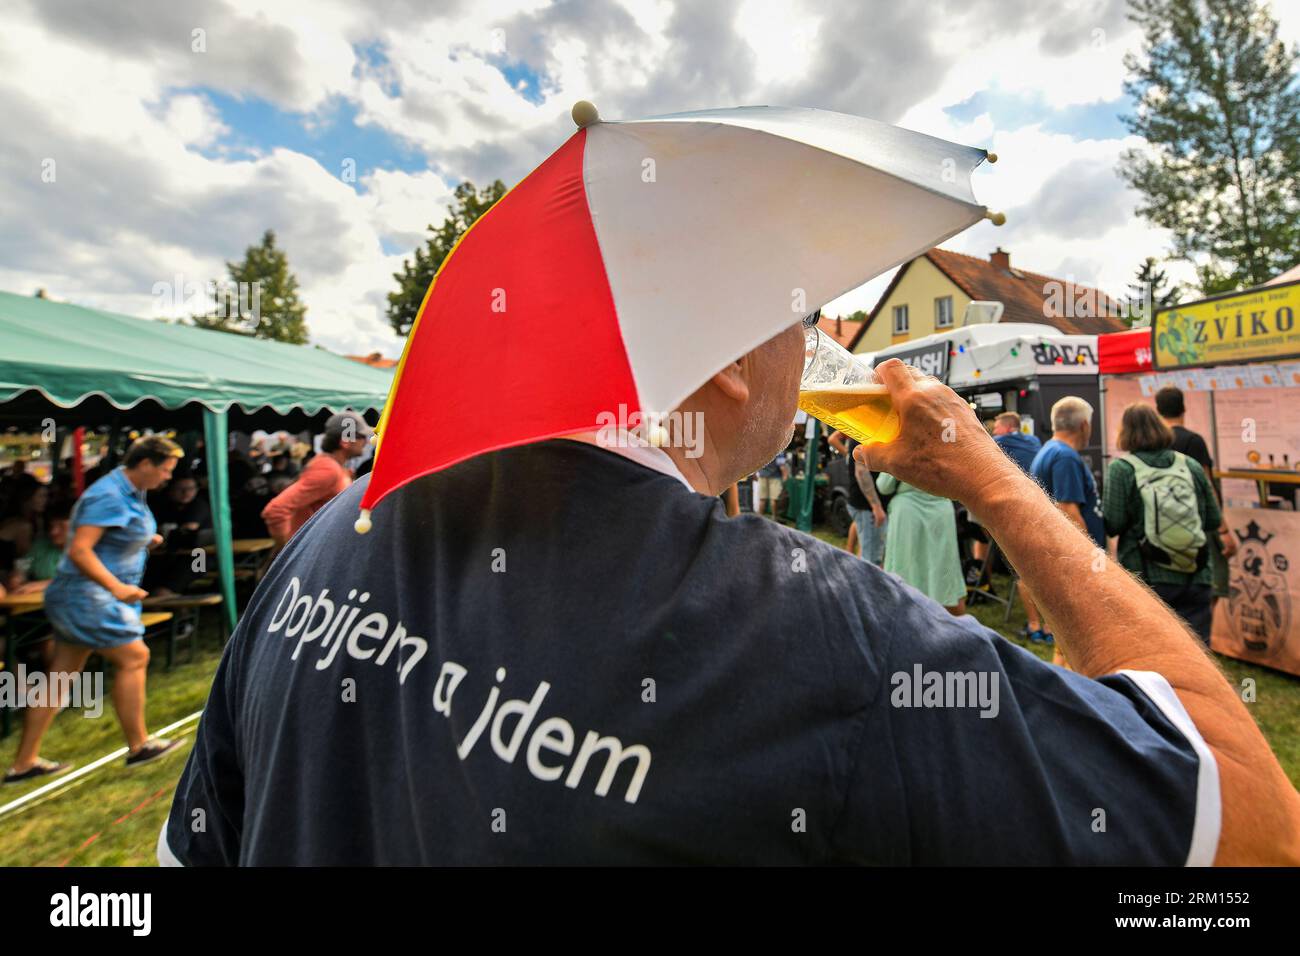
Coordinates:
199	909
930	359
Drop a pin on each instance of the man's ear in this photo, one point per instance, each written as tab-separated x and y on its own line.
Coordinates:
731	382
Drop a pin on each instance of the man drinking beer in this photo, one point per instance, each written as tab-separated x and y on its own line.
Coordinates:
606	669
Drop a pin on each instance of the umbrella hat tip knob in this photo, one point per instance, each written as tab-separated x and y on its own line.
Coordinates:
997	218
992	157
362	525
585	114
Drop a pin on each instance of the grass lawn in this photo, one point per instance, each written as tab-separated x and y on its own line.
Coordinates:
112	816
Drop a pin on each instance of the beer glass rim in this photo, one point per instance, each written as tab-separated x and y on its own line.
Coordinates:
816	341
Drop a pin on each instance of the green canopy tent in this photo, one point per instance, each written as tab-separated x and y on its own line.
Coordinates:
69	363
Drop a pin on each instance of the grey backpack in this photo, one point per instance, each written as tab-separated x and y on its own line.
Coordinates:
1172	535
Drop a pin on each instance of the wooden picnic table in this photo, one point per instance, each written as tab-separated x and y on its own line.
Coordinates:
246	546
22	603
252	556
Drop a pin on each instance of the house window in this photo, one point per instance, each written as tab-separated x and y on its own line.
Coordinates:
943	312
900	320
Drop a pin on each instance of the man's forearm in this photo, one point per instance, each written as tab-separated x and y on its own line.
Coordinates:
1097	604
1107	621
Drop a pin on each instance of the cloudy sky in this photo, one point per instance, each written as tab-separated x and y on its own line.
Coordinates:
170	160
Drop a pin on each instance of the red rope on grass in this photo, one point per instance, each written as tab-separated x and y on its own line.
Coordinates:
146	802
140	806
80	848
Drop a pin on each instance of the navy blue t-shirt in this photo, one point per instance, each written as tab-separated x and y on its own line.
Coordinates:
553	654
1065	476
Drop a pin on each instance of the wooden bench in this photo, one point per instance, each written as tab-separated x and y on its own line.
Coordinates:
185	612
152	622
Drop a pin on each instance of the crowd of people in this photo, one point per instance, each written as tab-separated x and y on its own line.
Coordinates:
133	534
135	530
1160	507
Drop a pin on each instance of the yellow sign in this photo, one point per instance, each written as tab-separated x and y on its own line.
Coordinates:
1253	326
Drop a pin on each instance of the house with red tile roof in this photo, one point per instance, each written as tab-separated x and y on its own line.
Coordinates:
842	330
931	293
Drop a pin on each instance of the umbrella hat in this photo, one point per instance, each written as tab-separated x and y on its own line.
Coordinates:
643	256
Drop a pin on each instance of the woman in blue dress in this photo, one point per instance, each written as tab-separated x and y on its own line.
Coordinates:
94	600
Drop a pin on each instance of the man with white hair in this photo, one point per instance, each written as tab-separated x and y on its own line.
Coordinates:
1064	474
1068	481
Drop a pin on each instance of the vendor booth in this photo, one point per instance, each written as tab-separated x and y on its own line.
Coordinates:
1237	359
63	366
1127	376
1011	367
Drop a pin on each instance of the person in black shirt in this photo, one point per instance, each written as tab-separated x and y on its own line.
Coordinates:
607	669
1171	407
865	507
183	516
181	505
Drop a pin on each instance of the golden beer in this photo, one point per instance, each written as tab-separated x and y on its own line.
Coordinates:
864	412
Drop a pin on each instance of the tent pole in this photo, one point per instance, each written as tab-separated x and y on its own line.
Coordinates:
215	444
804	521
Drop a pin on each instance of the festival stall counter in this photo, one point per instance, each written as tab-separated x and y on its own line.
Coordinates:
1242	351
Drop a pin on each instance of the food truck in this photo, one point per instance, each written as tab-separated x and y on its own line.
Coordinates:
1017	367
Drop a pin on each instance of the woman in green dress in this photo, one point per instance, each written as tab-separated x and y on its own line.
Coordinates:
921	544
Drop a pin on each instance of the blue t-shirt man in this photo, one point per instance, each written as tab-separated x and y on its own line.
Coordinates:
1020	448
1065	476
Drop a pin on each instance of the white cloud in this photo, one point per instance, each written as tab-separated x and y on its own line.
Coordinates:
145	189
193	121
404	205
783	36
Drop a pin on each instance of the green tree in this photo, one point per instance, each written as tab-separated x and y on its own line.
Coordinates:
414	279
1219	107
1150	290
261	297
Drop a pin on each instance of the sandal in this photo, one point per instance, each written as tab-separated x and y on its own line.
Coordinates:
151	749
42	768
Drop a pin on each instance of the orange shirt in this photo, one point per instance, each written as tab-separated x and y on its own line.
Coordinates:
321	480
